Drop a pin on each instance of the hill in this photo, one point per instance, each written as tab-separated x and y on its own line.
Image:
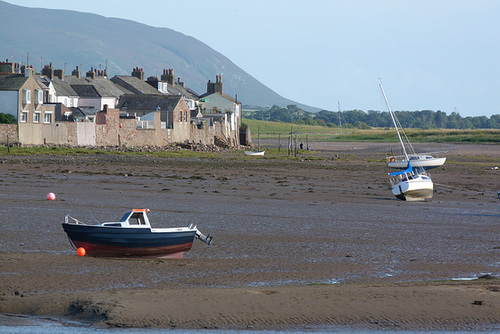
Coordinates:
68	39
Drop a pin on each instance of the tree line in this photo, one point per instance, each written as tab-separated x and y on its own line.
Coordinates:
425	119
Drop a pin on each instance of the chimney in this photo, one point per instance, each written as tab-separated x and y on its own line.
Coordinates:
59	73
28	71
139	73
76	73
7	67
48	71
168	76
179	82
90	74
101	73
215	87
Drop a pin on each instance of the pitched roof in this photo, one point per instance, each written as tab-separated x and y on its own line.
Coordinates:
149	102
12	82
135	85
103	86
42	81
85	90
82	112
63	88
179	89
224	95
107	88
216	101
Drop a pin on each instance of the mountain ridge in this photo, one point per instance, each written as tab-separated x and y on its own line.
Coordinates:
68	39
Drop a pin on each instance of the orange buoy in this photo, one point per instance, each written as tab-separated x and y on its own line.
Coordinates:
51	196
80	251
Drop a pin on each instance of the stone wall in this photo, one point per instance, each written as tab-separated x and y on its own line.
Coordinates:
203	134
10	131
107	128
111	130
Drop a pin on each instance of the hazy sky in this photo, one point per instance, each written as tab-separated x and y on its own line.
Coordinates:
431	54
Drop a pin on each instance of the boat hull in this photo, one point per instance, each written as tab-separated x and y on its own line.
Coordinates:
135	242
100	250
420	189
255	153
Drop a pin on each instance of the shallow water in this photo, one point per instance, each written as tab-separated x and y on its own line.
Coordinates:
14	324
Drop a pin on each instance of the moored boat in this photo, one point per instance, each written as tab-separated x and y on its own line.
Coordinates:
410	186
413	183
255	153
132	236
423	160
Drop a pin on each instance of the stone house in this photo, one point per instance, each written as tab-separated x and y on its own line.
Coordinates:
167	84
220	107
172	110
22	96
95	90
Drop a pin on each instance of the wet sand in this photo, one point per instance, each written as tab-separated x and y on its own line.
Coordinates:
297	244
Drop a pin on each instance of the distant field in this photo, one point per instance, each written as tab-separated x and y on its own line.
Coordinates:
272	130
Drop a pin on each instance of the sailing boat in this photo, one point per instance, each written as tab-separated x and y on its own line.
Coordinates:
413	183
258	152
424	160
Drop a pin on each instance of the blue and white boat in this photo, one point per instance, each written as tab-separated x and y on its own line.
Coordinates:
408	185
413	183
424	160
132	236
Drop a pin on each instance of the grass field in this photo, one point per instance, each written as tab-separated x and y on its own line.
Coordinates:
54	150
273	130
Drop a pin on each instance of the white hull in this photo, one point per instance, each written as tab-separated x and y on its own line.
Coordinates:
417	161
416	188
255	153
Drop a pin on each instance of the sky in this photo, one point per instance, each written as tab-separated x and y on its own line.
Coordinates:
429	54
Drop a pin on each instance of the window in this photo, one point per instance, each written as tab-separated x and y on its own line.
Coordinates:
47	117
39	96
185	116
36	117
24	116
26	96
180	116
136	219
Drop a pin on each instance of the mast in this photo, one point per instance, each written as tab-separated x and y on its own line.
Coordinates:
394	121
258	138
340	118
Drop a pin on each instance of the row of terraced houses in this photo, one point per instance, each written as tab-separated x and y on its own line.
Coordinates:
127	111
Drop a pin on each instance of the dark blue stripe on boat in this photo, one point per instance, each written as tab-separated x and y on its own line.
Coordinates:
126	237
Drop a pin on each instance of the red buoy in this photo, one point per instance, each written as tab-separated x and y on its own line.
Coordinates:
80	251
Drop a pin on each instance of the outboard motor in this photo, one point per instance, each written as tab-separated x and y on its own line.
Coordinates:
205	238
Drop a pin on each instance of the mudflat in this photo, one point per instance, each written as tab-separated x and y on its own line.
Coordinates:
312	242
